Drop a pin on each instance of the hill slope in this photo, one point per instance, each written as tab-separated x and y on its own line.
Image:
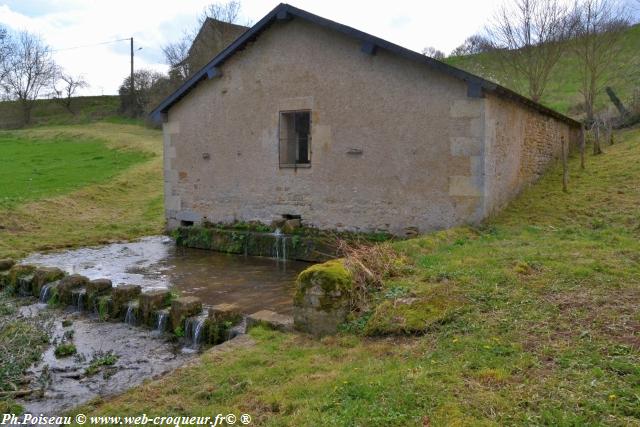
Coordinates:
563	91
50	112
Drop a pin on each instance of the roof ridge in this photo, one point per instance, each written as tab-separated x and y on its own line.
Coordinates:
285	11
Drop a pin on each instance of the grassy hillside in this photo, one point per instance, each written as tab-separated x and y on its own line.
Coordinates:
76	185
548	332
562	93
50	112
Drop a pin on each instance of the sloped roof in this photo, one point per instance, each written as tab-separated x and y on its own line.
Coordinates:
476	85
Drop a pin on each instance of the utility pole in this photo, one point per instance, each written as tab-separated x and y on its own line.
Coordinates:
133	94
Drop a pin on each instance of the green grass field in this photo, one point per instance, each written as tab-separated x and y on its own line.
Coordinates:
563	91
64	186
32	169
548	332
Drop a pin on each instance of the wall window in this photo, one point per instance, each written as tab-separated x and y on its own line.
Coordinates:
295	138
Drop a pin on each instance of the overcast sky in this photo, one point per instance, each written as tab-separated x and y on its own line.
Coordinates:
65	24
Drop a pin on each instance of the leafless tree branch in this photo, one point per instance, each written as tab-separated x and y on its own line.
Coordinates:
527	37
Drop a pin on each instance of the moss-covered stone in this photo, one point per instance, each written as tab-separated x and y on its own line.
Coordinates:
332	280
414	314
67	285
44	275
151	302
184	307
20	276
313	248
104	306
6	264
95	289
120	297
322	298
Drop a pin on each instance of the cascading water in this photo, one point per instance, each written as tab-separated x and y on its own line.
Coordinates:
193	330
45	293
77	299
162	317
280	245
130	318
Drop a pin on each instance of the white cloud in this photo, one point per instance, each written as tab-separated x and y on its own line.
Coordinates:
68	23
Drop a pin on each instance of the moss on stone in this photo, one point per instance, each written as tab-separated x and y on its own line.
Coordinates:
17	272
413	314
334	280
330	276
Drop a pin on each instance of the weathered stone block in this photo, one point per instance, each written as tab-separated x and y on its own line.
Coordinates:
120	297
24	285
225	313
270	319
44	275
67	285
6	264
184	307
151	302
322	298
20	277
95	289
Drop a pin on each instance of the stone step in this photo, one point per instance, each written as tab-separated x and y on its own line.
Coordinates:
271	320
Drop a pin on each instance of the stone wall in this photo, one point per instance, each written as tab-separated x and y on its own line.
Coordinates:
394	143
521	144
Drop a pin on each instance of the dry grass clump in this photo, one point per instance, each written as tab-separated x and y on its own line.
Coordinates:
370	265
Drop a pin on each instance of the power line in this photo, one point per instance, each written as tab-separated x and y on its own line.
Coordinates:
90	45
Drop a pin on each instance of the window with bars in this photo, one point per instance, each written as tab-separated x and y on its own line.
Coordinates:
295	138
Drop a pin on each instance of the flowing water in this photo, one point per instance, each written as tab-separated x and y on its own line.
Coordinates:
130	318
45	293
156	263
77	299
162	317
140	356
193	328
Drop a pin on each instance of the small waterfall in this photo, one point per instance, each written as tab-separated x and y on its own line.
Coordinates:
279	245
45	293
77	299
130	318
162	317
193	330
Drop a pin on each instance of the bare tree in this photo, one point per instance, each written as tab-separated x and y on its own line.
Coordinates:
433	53
597	44
5	51
472	45
30	69
69	86
146	83
527	36
225	12
176	54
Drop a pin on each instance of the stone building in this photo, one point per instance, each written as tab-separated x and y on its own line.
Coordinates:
304	117
213	36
